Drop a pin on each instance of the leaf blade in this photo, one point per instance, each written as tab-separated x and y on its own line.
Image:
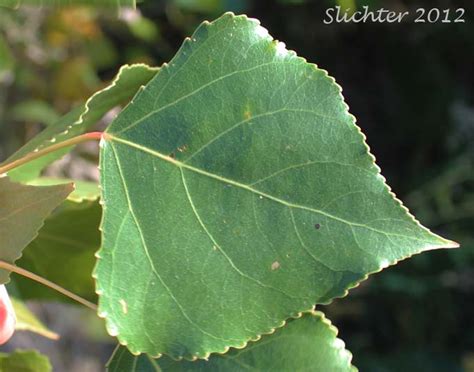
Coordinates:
267	197
25	361
63	252
23	210
304	344
27	321
122	88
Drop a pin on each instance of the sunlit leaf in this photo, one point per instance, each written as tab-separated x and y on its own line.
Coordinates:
238	193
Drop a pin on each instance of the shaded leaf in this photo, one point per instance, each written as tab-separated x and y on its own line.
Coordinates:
27	321
22	212
24	361
63	253
127	82
7	61
83	190
35	111
123	361
305	344
238	193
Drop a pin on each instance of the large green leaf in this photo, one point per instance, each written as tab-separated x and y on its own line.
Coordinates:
306	344
64	252
238	192
24	361
127	82
22	212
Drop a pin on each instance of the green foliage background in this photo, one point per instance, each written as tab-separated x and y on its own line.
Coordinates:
409	85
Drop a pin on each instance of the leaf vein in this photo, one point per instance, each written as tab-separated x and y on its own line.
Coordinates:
253	190
147	253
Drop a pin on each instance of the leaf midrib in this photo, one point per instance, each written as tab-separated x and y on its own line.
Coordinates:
182	165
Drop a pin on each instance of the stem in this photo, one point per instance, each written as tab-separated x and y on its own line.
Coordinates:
37	154
27	274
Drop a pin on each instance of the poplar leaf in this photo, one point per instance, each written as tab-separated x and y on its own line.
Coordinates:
238	192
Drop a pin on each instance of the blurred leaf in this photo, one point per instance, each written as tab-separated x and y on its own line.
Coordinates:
22	213
102	53
24	361
76	78
211	6
64	252
349	5
35	111
249	193
59	3
6	58
144	29
304	344
27	321
83	190
205	6
122	89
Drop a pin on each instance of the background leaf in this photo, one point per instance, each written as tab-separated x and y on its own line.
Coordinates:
22	212
64	252
96	3
24	361
123	361
83	190
305	344
247	193
122	89
27	321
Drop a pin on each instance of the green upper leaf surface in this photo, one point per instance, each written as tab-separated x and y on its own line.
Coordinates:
23	210
305	344
238	192
127	82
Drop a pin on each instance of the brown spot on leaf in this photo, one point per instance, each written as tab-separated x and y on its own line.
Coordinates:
275	265
317	226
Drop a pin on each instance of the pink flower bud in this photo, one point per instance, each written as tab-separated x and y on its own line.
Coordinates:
7	316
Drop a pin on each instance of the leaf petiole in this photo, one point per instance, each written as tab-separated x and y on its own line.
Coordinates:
27	274
35	155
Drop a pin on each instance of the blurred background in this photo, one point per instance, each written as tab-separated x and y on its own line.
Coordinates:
410	85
